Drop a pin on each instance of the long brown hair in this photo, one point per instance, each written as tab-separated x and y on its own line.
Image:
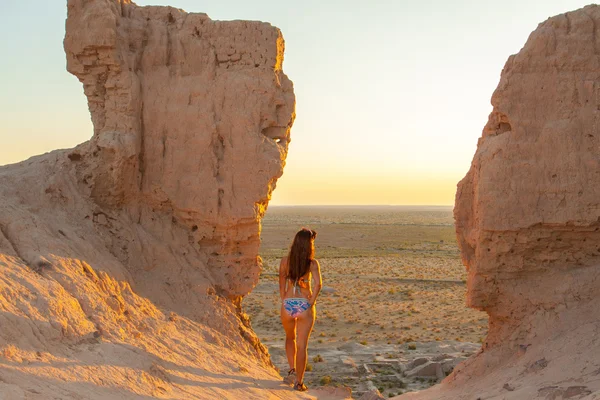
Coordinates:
301	254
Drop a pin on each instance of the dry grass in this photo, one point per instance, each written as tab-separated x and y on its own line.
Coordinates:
391	275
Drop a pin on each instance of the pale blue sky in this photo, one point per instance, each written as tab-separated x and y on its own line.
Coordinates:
391	95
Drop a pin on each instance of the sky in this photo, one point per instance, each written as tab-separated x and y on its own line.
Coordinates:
391	95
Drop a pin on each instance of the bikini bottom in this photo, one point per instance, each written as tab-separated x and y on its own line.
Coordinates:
295	306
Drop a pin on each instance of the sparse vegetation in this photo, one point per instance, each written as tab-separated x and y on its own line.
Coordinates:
391	277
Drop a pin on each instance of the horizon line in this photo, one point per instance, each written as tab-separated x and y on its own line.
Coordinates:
361	205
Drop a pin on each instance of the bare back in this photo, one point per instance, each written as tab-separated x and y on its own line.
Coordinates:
301	288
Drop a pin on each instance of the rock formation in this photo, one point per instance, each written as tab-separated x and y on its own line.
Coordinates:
528	223
123	261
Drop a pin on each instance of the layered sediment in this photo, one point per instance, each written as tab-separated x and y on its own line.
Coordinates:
527	219
124	260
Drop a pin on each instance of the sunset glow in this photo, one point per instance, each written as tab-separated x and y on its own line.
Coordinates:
391	96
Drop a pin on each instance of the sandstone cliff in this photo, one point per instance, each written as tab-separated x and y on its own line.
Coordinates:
528	223
123	260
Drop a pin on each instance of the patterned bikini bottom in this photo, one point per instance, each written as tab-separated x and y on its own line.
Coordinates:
295	306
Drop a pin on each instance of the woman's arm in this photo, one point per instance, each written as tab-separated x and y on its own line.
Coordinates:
315	269
282	276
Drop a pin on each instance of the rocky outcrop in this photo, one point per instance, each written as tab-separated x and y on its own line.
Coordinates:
191	125
124	260
527	217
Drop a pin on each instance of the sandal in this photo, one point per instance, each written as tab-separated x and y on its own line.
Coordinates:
291	376
301	387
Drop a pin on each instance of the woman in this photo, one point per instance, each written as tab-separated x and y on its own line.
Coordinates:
298	310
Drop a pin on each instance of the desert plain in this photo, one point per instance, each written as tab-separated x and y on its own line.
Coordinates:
393	296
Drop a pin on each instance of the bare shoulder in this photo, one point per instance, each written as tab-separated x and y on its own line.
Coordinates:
314	265
283	265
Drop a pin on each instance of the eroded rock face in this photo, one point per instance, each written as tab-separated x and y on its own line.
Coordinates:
527	217
191	122
131	251
527	213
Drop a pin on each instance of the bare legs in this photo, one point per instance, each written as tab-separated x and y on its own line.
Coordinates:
289	325
305	323
297	333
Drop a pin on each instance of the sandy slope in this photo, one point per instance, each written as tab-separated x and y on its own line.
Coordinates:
123	261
